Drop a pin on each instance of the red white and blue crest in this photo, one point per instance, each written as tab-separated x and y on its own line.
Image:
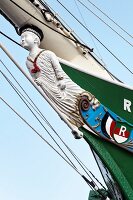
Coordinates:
107	124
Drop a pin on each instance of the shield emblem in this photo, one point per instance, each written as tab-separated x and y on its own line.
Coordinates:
115	130
107	124
121	134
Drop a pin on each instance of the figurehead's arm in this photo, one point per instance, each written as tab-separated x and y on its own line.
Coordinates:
56	66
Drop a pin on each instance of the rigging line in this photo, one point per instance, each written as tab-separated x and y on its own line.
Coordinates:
105	23
37	88
96	38
62	20
39	135
101	59
86	179
63	35
95	155
82	164
91	54
112	185
21	96
86	169
68	38
43	117
112	76
95	54
25	49
34	105
10	38
86	26
90	183
91	172
47	121
78	41
19	67
110	19
36	109
74	40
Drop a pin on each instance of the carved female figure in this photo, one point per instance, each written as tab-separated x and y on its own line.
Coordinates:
46	71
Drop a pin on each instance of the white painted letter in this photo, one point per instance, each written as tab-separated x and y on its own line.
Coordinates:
127	105
122	131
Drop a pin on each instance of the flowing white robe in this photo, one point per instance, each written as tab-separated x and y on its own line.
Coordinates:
50	78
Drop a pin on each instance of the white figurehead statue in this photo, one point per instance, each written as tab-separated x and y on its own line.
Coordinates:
46	71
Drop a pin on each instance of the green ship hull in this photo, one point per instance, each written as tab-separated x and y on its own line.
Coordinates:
118	161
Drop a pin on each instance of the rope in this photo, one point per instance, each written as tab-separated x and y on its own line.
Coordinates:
39	135
42	116
95	37
86	26
105	23
110	19
21	96
90	183
75	41
10	39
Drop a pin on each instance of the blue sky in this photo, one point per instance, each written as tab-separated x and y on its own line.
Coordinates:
29	169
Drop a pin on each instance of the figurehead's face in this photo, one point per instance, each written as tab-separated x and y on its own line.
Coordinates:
29	40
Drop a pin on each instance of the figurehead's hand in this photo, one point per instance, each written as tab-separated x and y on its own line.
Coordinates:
59	76
61	84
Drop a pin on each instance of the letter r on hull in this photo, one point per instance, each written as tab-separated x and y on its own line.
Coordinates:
127	105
